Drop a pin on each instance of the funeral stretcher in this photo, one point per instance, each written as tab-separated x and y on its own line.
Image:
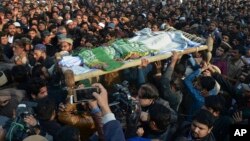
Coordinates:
203	44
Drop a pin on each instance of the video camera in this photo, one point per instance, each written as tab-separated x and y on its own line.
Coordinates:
17	129
126	109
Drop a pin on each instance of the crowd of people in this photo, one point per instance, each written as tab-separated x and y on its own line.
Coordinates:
186	97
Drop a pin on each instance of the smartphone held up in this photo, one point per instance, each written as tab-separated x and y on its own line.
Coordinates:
84	94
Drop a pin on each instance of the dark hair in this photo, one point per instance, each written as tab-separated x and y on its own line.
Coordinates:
161	115
149	91
67	133
224	47
20	73
216	102
180	69
45	108
204	117
18	42
207	82
37	70
2	34
33	29
35	84
11	23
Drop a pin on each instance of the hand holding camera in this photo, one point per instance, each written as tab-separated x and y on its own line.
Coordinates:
85	94
102	98
30	120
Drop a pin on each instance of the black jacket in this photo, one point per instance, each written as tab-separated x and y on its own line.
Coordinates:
184	134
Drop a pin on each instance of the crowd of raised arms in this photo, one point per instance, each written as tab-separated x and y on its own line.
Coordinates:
182	98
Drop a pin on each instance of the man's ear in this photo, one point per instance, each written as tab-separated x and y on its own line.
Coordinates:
33	96
210	129
216	113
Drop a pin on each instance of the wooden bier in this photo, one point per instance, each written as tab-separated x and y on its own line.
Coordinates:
95	73
136	62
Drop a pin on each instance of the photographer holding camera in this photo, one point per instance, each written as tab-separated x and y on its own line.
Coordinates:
112	128
24	123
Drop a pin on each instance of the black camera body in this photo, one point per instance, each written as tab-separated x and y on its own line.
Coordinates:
17	129
25	109
126	109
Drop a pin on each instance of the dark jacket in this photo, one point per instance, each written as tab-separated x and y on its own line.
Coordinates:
184	134
113	131
174	98
166	135
50	127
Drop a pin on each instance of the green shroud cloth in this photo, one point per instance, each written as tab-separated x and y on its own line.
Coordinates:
98	58
101	55
126	48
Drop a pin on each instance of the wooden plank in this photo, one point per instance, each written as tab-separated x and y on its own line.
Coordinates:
136	62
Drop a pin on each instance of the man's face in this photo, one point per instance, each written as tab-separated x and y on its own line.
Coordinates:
4	40
43	92
199	130
235	54
212	26
143	101
70	25
12	30
19	30
219	52
54	15
115	21
225	38
24	20
38	54
79	19
60	6
41	27
32	34
17	50
47	39
85	18
66	46
8	16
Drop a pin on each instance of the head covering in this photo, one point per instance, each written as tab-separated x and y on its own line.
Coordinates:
60	18
35	138
68	40
40	47
67	8
68	22
46	33
26	40
182	19
101	25
111	25
17	24
61	36
3	78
